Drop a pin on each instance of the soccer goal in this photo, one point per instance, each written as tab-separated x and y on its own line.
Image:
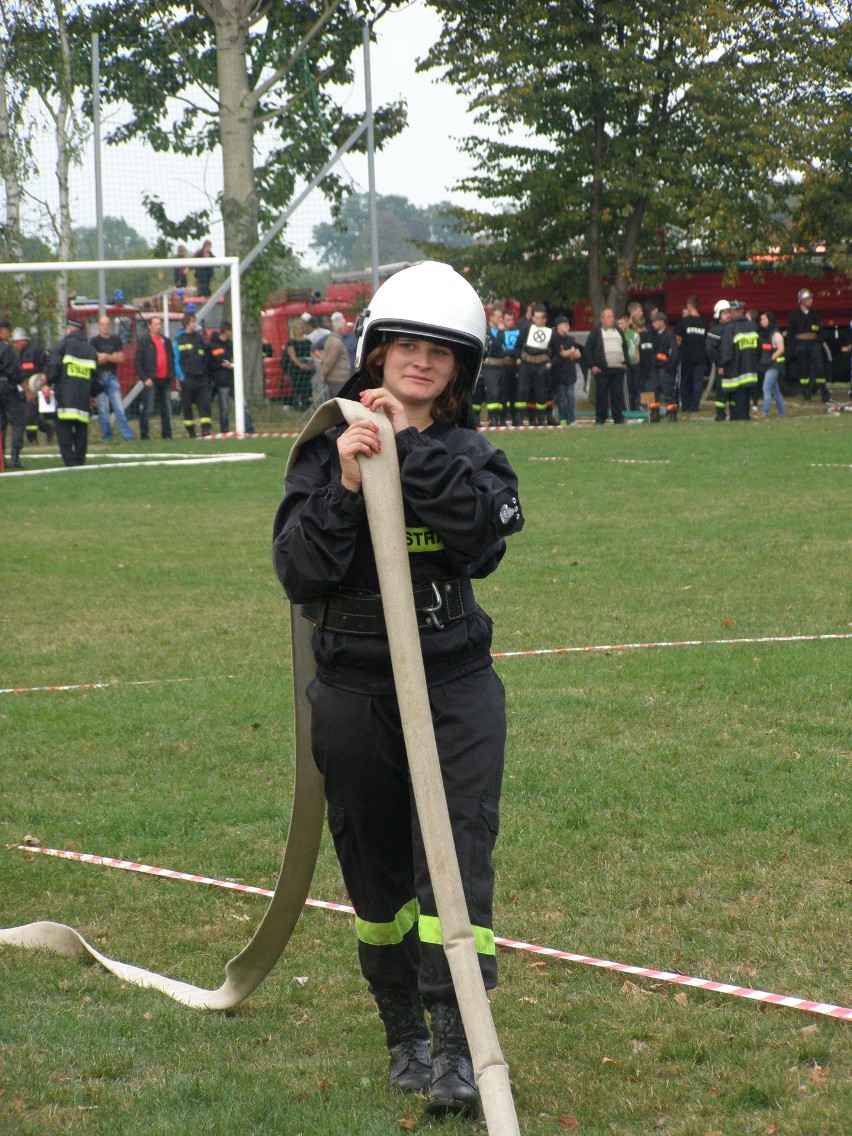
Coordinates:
139	291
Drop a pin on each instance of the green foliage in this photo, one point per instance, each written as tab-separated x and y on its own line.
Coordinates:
656	133
404	231
685	808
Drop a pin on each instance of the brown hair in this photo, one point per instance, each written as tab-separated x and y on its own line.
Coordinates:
447	407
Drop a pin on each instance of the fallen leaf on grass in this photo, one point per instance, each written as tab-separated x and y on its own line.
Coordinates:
406	1121
148	1015
567	1123
32	841
608	1061
637	1045
325	1084
661	1121
255	725
682	998
809	1029
729	622
300	979
771	1129
818	1075
536	965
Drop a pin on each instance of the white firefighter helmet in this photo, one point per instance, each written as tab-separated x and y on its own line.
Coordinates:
719	307
429	300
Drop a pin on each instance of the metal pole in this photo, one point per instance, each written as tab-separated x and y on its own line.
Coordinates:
250	257
371	160
96	137
237	333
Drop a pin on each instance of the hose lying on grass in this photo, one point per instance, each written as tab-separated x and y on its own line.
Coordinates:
383	496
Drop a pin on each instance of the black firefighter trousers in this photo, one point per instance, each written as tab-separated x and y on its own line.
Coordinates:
358	745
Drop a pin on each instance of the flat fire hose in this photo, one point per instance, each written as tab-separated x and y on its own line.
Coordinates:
383	497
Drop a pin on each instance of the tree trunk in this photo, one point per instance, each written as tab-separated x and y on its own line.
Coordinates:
9	167
618	292
240	210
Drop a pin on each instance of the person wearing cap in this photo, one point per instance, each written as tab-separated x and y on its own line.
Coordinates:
13	402
739	361
721	318
664	369
608	357
420	351
110	353
335	372
804	347
73	374
195	387
32	360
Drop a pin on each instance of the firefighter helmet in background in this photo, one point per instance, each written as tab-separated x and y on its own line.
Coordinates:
429	300
719	307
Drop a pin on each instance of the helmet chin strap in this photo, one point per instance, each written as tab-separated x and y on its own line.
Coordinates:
383	497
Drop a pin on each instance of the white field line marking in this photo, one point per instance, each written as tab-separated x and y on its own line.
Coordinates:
830	465
672	643
130	464
50	455
640	461
106	685
807	1004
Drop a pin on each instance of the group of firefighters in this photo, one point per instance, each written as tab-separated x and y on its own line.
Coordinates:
530	370
52	392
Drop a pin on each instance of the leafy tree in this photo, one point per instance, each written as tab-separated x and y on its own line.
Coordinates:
121	242
242	73
404	231
656	134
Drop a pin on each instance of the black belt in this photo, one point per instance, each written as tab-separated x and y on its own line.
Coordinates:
436	604
494	362
534	360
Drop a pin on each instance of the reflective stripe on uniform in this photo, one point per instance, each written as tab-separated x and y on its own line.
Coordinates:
420	538
429	927
78	368
71	414
388	934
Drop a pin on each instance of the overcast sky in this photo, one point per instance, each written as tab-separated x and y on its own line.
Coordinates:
422	164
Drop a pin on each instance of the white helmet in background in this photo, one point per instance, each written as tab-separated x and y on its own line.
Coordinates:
429	300
719	307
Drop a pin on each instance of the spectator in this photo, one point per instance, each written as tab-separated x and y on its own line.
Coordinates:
608	359
626	327
691	338
32	361
771	362
110	353
565	354
297	365
72	372
220	373
664	372
155	366
739	356
804	348
334	369
646	351
13	402
350	342
510	368
203	276
180	276
195	388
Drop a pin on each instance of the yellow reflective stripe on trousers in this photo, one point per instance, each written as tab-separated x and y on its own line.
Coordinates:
387	934
429	927
71	414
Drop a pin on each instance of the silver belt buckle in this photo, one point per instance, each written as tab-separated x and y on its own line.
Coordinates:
431	612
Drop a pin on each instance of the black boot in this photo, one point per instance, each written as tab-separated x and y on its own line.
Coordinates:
671	414
408	1039
654	416
452	1088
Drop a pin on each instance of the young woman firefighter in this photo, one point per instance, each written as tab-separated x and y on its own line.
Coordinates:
421	346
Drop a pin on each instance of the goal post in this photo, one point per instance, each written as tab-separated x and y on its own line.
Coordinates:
231	263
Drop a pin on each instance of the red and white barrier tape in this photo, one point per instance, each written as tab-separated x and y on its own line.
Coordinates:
184	461
496	655
670	643
806	1004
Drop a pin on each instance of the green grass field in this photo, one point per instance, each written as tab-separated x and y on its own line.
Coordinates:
684	808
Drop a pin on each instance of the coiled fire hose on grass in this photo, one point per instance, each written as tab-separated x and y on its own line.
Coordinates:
383	496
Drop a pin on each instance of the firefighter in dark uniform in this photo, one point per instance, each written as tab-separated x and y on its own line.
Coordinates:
804	347
195	387
72	372
13	403
461	501
494	370
511	334
32	360
739	361
664	369
532	351
721	319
